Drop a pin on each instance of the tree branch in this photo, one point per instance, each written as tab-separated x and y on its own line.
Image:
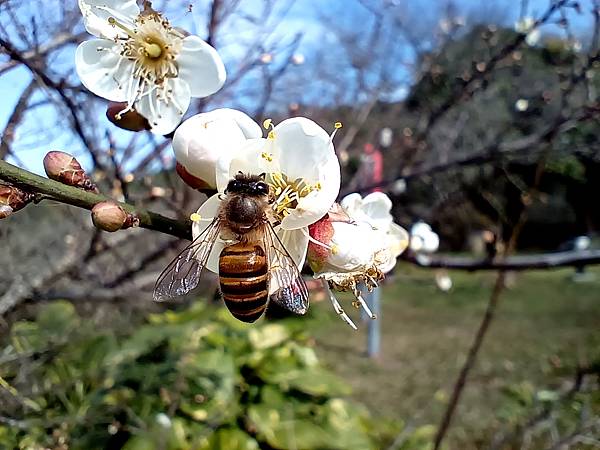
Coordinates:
523	262
53	190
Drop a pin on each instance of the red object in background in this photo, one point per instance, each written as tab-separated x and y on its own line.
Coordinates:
373	163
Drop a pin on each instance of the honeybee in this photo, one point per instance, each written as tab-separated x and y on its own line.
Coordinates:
247	267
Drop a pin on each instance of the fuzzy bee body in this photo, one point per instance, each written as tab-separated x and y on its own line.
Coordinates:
248	267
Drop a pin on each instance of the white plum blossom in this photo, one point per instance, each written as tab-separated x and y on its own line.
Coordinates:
443	281
201	140
356	244
423	239
300	166
521	105
423	242
141	59
375	209
527	25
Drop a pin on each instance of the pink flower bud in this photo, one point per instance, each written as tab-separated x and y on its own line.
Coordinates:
109	216
131	120
61	166
5	211
12	199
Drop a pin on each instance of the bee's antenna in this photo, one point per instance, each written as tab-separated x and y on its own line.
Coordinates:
262	176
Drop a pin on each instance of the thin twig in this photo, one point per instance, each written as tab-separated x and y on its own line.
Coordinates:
490	309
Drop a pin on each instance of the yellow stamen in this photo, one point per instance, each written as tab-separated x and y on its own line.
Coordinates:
267	156
338	125
195	217
335	249
271	135
267	123
151	49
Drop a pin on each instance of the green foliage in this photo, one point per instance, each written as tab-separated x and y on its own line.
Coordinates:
537	416
184	380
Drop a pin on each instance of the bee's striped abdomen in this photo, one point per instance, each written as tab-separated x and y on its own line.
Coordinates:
243	275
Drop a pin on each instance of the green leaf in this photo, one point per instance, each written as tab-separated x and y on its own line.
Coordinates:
140	443
282	430
268	336
230	439
58	317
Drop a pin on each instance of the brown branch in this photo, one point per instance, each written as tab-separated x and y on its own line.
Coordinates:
516	263
58	41
492	152
15	119
464	89
491	308
59	88
53	190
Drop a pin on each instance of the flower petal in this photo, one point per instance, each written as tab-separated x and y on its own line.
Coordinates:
201	140
431	242
201	67
304	150
316	204
352	204
102	70
164	115
302	146
396	242
97	12
246	159
420	229
353	245
377	206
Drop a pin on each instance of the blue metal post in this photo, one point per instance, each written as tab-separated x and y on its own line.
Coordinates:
373	299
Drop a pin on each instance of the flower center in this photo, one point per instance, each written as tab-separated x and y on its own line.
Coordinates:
287	193
152	45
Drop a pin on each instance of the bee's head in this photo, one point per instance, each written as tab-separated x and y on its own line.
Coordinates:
248	184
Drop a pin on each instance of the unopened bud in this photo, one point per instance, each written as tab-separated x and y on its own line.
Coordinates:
61	166
12	199
109	216
130	120
191	180
5	211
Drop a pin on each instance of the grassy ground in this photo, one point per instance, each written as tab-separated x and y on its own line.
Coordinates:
544	321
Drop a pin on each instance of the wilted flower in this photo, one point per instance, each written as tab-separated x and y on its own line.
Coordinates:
142	60
302	170
356	244
204	138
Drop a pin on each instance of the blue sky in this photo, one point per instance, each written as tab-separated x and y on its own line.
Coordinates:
305	16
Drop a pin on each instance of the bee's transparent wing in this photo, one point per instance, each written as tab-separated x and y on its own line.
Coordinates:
183	273
292	293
